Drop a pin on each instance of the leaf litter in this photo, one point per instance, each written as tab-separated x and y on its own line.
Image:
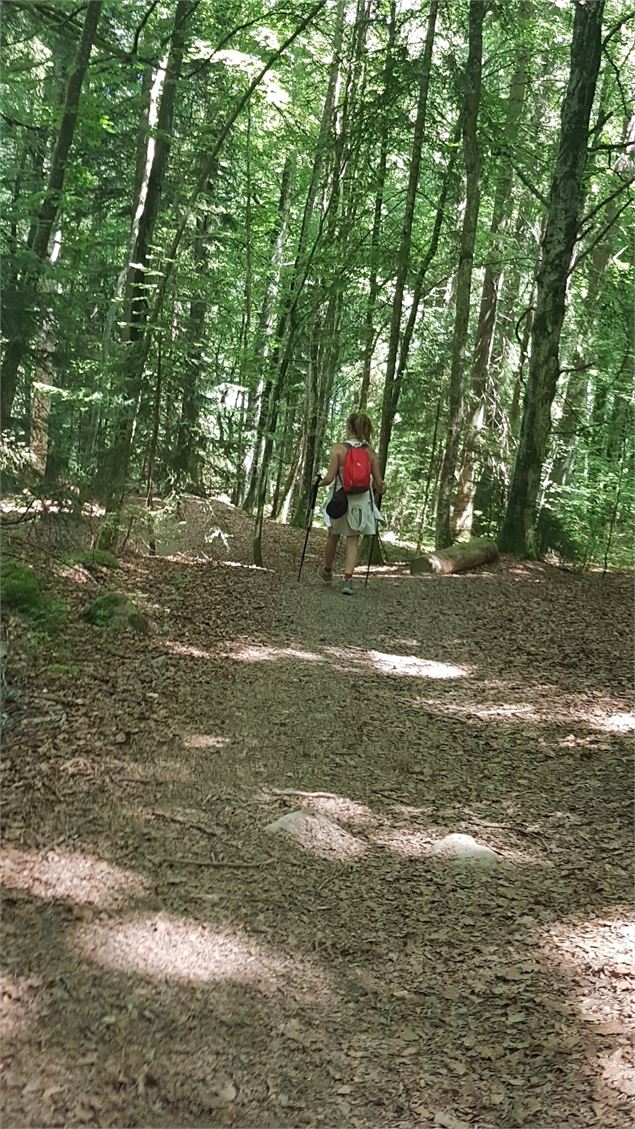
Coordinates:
168	961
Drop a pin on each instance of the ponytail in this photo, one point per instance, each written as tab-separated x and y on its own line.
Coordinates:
359	425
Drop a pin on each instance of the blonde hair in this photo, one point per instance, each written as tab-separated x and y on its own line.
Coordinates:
359	425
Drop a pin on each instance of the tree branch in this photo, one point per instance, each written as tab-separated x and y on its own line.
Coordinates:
624	185
616	27
607	227
210	161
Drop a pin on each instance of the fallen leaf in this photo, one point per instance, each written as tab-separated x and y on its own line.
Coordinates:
449	1121
611	1027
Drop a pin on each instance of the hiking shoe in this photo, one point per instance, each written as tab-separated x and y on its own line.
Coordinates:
325	577
347	588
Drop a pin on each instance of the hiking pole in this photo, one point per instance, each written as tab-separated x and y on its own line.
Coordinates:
375	538
312	501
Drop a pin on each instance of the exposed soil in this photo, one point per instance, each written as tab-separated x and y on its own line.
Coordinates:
170	962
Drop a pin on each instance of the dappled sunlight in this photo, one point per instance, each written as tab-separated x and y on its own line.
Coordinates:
203	741
162	947
616	723
77	573
17	1006
408	844
605	945
550	708
187	651
412	667
76	878
412	842
241	564
408	666
354	660
257	653
329	804
347	811
597	957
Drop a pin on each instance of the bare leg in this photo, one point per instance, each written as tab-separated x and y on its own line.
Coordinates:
352	549
330	550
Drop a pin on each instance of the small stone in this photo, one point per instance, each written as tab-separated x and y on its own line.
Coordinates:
464	847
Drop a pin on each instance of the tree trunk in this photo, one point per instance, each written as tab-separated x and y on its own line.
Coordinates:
373	280
456	558
187	457
118	460
258	398
288	322
463	510
388	411
21	304
464	273
518	532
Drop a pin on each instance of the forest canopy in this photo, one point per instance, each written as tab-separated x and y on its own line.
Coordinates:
227	225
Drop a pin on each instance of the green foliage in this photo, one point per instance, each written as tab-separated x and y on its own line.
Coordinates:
115	610
232	311
19	588
93	558
22	593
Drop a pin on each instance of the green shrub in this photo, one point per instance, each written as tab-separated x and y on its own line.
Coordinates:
93	558
19	588
20	592
115	610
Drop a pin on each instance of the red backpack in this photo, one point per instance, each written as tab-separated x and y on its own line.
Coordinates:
356	470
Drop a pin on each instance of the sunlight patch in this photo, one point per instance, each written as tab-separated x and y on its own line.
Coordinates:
160	946
412	667
616	723
203	741
408	844
17	1006
77	878
328	803
600	945
339	807
188	651
261	654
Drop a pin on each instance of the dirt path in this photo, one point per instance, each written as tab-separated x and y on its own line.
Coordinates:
169	962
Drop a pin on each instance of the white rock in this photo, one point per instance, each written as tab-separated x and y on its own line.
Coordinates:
318	835
289	821
464	847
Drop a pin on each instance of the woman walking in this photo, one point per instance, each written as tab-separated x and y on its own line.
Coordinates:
354	473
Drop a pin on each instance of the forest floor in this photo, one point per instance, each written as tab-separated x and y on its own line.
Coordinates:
170	962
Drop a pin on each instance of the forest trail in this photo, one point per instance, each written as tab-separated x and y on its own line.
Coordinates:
170	962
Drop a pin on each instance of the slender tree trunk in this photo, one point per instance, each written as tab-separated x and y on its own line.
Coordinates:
288	322
518	532
118	459
422	273
373	278
187	457
259	396
21	305
463	510
387	414
464	274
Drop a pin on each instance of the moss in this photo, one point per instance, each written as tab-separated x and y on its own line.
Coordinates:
114	610
21	593
19	588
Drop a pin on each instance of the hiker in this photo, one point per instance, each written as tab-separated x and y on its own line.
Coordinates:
351	511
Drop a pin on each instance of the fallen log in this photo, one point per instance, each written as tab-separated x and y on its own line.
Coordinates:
457	558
